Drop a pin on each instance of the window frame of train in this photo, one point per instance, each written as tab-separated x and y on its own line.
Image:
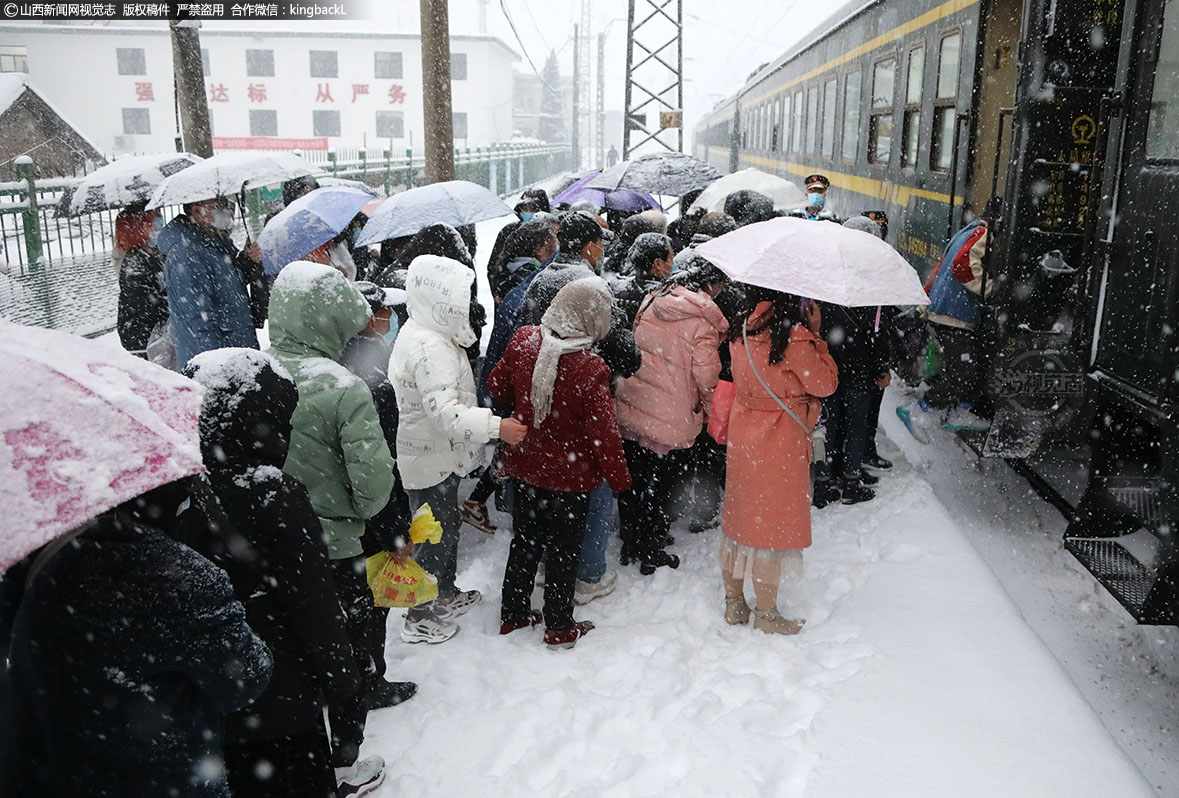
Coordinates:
799	126
813	100
945	107
787	109
878	112
829	118
1158	121
852	115
911	117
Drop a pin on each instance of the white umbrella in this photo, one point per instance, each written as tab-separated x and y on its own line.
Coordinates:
123	182
819	260
227	174
670	173
453	202
86	427
786	195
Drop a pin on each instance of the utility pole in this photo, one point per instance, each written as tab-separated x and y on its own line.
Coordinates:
600	129
576	99
483	16
655	75
583	67
189	77
437	113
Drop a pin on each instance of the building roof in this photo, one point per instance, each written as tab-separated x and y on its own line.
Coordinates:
14	84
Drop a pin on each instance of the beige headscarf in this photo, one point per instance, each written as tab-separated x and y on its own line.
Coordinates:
578	318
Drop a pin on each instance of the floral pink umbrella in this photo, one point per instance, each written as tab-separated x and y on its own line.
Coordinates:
84	427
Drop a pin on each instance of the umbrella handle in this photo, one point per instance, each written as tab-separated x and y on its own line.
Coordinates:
241	206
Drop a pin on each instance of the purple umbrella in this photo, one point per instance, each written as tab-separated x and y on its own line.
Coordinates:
613	200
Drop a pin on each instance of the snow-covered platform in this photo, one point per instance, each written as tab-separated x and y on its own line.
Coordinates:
916	675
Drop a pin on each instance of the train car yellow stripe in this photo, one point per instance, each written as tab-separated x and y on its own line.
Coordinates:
881	190
889	36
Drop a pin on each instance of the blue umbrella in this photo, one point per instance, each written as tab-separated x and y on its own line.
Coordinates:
314	219
455	202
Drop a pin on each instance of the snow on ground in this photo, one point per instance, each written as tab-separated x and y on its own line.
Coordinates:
916	675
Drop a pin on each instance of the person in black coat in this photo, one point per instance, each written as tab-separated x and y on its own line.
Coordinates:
257	523
649	264
143	299
532	201
127	650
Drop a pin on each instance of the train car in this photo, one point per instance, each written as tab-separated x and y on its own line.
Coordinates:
1062	117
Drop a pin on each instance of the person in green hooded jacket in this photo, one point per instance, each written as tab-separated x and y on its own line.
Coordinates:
338	449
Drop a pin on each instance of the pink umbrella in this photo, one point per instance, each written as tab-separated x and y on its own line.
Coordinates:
84	427
818	260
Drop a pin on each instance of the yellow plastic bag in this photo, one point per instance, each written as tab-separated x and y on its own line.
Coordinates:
396	585
408	585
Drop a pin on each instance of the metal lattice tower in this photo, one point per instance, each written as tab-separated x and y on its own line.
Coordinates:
600	116
583	69
654	75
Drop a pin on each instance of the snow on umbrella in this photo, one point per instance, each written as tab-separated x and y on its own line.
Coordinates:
124	182
315	218
786	195
819	260
614	200
671	173
86	427
340	182
226	174
454	202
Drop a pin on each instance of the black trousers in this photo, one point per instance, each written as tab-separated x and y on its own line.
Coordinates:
366	632
847	430
298	766
548	524
708	472
958	380
873	423
644	511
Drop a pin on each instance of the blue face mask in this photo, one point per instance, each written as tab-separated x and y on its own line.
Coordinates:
394	326
526	216
816	200
156	227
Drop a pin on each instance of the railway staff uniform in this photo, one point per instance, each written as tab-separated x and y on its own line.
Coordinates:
816	196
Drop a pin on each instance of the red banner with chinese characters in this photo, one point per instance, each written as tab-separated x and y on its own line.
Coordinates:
267	143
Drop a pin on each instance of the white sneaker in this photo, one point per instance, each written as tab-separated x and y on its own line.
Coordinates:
361	778
963	419
585	592
540	574
460	603
428	630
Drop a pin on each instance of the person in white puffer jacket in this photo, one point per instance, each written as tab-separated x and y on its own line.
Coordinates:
442	432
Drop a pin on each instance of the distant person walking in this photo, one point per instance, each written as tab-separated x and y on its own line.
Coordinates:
611	156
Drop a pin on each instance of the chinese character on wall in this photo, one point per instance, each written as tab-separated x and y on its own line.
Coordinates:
396	94
218	93
359	89
256	92
144	93
323	93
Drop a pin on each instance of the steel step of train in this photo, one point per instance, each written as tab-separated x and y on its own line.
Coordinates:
1136	586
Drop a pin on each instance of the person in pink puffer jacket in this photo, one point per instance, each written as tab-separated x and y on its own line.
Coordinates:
663	407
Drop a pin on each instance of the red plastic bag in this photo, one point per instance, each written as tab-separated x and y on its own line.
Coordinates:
722	408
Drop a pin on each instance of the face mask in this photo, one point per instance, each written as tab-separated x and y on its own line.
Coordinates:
816	200
394	326
341	260
222	219
156	227
526	216
356	235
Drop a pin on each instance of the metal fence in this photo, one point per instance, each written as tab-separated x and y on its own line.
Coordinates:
56	272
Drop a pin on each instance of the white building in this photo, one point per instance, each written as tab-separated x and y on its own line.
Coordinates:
281	89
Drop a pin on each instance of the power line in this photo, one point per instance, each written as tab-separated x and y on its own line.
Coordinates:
511	23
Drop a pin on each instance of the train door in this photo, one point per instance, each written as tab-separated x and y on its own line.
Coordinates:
999	70
1136	335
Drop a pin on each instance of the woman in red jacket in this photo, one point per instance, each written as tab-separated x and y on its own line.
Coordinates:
561	390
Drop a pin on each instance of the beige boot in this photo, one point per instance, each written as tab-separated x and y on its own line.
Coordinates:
771	622
736	610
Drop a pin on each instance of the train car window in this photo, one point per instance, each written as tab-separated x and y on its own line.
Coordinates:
812	119
880	123
829	119
911	125
941	150
1162	131
798	109
851	116
947	66
787	115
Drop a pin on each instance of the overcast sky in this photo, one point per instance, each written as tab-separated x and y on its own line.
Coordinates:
724	40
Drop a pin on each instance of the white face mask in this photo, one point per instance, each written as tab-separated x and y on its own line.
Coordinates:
222	219
341	260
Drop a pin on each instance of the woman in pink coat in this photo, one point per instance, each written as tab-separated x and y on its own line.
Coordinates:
662	408
767	516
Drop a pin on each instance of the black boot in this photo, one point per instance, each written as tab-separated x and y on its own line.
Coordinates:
825	492
381	694
868	479
877	462
854	492
660	558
